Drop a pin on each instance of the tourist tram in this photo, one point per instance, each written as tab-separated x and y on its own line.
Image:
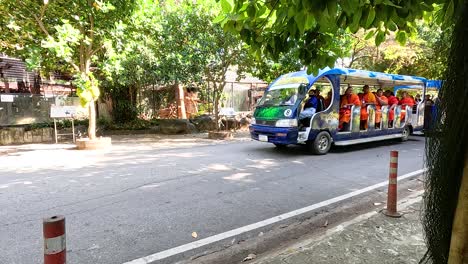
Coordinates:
277	115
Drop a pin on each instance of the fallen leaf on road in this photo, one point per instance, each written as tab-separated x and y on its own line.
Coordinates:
376	204
249	257
194	234
325	224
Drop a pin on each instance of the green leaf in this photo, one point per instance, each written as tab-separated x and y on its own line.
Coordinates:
299	18
370	17
332	7
261	10
251	10
391	25
426	7
226	6
370	34
379	38
238	26
354	26
401	37
390	3
449	11
219	18
243	8
310	22
291	11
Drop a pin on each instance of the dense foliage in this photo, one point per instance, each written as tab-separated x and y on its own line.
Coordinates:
422	55
274	27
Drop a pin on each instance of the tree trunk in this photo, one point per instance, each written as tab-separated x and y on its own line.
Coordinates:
216	105
181	112
446	184
92	120
459	241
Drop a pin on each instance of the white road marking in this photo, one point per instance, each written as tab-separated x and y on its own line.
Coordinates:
209	240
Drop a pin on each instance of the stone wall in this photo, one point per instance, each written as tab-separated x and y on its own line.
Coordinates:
29	109
19	135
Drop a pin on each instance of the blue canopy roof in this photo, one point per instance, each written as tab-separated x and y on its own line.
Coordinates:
350	75
430	84
436	84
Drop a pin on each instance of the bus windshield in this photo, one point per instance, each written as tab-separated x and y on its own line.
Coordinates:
283	95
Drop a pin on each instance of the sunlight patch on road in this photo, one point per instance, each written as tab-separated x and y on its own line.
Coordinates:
262	164
149	186
239	177
218	167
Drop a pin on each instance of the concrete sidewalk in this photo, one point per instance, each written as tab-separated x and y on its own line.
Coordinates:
136	142
160	141
369	238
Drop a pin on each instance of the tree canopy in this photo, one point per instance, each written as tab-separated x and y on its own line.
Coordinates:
74	32
422	55
273	27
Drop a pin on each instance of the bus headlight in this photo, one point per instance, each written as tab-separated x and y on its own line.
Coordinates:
286	123
253	121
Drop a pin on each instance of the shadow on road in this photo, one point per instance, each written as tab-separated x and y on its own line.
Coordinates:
364	146
301	150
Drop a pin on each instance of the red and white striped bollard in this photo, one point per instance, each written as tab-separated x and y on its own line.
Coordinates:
392	186
55	249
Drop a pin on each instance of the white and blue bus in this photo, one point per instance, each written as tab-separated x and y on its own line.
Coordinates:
277	116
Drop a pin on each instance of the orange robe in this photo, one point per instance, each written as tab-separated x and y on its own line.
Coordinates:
345	112
368	98
392	100
405	101
378	107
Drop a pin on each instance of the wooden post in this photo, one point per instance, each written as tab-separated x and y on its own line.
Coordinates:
181	113
55	130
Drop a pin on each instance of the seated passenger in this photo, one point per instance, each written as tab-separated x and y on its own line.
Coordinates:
360	95
428	101
347	101
381	101
310	107
406	100
367	98
392	102
418	98
429	112
321	101
327	100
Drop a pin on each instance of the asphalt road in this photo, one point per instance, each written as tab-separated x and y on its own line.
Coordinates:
137	200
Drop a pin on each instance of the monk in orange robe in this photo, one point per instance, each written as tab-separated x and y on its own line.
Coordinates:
381	101
406	100
347	100
392	101
367	98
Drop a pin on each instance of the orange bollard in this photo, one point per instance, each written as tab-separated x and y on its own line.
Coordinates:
392	187
54	240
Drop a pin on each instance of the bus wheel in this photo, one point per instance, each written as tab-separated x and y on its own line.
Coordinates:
405	134
280	146
321	144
